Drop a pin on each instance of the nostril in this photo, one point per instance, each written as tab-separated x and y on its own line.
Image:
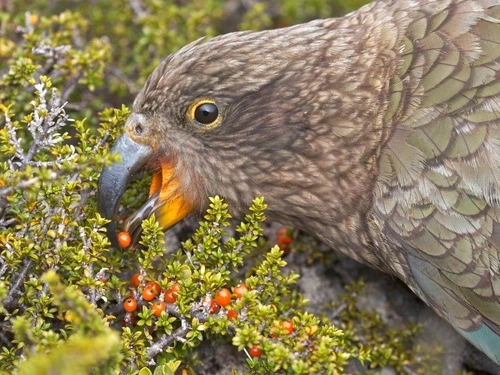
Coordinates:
138	129
136	125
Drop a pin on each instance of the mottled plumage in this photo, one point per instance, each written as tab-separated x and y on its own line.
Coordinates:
378	132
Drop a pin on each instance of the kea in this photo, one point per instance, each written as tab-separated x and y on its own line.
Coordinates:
377	132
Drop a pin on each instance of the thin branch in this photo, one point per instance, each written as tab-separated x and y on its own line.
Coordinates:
131	85
167	340
138	9
22	185
10	302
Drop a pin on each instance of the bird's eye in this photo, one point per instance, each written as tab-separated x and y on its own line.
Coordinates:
206	113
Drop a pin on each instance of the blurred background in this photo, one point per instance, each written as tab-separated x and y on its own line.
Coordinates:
120	42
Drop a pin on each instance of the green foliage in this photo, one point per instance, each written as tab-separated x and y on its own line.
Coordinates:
91	343
61	286
312	9
130	38
51	46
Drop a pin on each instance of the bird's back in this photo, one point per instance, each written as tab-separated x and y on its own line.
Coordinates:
437	197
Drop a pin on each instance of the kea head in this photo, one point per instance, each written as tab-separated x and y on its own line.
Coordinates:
292	115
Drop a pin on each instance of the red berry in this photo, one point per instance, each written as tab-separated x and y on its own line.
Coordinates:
209	302
239	290
128	319
124	239
283	234
254	351
231	314
155	286
223	297
284	240
130	304
135	280
158	307
148	294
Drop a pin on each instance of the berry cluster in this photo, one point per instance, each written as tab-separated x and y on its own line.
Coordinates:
150	292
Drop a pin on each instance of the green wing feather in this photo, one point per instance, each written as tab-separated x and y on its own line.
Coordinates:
438	194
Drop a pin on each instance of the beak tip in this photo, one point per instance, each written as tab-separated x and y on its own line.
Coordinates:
113	235
115	178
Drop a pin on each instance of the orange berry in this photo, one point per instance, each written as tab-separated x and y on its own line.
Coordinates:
158	307
239	290
170	296
154	285
135	280
231	314
171	293
223	297
124	239
148	294
287	325
176	287
130	304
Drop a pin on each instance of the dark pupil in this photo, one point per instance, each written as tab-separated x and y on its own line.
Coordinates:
206	113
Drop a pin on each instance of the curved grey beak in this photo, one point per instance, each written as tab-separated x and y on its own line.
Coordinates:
115	178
